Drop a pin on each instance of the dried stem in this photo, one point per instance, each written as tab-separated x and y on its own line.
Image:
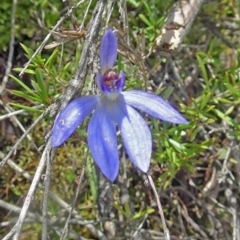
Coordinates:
17	227
165	229
47	182
177	25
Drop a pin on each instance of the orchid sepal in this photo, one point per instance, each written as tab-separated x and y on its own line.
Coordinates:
71	117
154	106
108	51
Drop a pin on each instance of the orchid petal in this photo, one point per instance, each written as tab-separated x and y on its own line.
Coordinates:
153	105
99	81
102	141
135	134
122	80
70	117
108	51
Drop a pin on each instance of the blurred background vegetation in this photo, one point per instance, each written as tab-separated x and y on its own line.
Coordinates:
195	167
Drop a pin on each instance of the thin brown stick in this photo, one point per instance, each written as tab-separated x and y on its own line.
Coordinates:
165	229
47	182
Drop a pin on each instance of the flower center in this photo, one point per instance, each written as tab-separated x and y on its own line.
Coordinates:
110	80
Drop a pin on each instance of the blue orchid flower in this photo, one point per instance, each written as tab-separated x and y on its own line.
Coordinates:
113	107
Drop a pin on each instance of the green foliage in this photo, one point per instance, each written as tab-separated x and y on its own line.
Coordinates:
92	178
45	80
26	19
150	19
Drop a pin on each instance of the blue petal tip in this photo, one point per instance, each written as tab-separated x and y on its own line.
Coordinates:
108	51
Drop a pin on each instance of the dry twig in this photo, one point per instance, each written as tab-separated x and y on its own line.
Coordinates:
165	229
177	26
